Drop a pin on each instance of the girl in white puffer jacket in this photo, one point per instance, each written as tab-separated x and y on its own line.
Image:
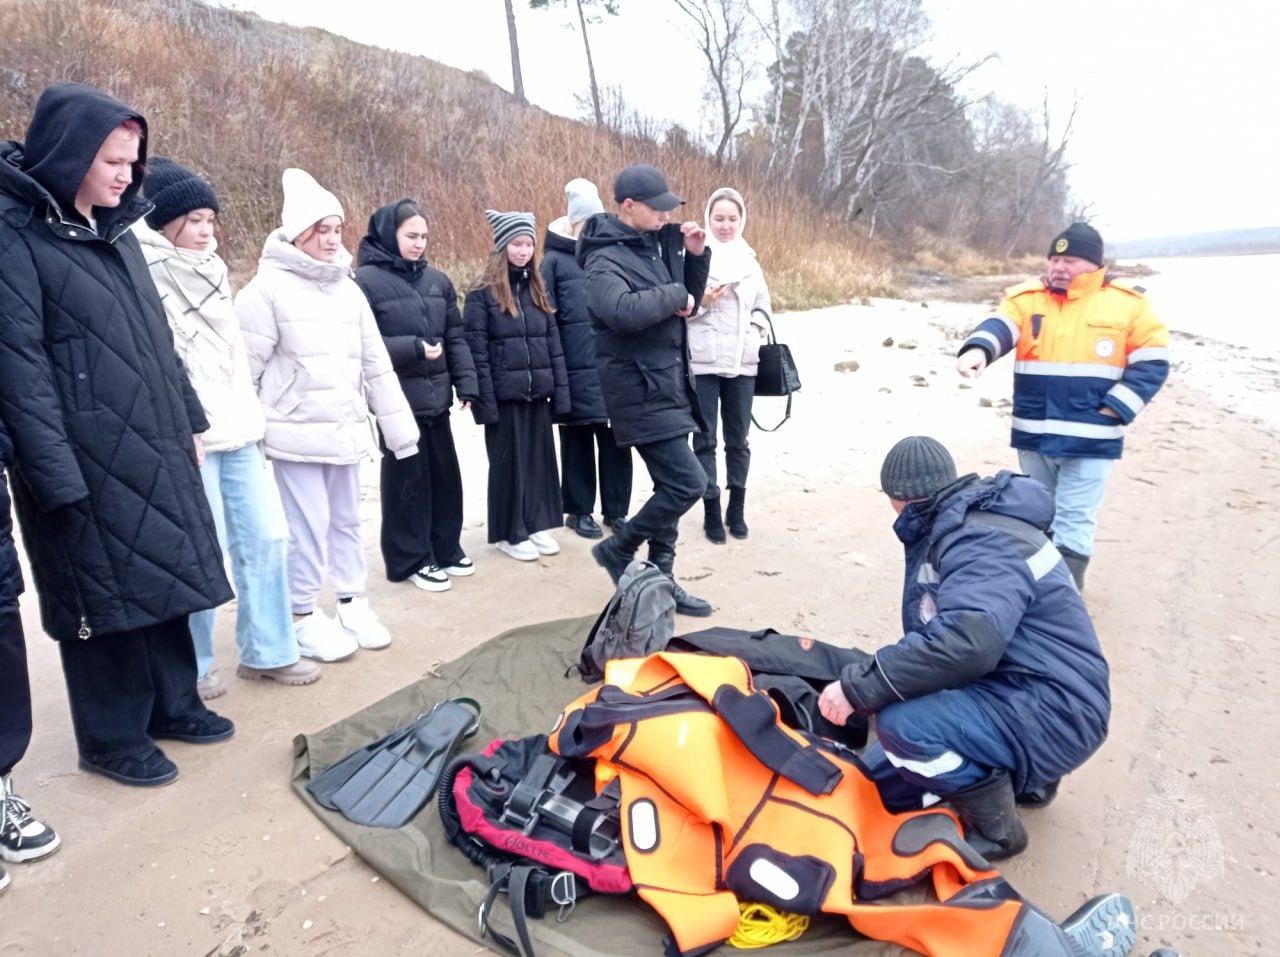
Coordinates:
724	350
315	353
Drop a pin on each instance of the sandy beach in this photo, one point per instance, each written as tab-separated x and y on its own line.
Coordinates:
1172	810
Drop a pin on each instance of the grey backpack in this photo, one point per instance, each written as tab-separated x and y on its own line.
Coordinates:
639	620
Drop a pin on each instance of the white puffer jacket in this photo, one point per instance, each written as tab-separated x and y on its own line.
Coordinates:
315	354
196	295
725	338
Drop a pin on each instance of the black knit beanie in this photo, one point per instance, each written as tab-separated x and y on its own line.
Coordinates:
175	191
915	468
1078	239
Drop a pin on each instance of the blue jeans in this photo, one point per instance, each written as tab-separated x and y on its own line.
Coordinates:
251	526
1077	487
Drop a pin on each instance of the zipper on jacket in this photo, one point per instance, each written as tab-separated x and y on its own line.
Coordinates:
524	334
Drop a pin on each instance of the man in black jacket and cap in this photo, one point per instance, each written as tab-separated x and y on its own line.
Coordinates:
644	277
103	421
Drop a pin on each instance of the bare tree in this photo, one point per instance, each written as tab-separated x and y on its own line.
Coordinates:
517	78
608	6
1050	164
722	31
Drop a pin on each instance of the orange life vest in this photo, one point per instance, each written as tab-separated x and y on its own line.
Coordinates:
722	803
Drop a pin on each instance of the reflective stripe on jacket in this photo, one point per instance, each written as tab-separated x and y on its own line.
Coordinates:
1099	345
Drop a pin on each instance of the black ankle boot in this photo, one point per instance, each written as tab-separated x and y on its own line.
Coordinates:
1077	563
734	516
991	823
712	523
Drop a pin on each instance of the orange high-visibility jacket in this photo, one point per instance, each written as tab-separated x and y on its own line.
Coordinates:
1099	345
722	803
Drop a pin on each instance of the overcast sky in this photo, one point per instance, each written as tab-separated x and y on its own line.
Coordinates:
1177	130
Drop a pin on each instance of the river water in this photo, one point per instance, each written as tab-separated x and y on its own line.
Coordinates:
1226	325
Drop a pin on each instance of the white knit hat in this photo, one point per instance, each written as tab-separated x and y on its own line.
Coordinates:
306	202
583	199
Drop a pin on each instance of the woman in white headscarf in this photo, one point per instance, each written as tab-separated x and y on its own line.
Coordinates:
724	348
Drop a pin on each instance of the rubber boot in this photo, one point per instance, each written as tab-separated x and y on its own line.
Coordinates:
734	517
712	523
1077	563
686	604
1039	797
991	823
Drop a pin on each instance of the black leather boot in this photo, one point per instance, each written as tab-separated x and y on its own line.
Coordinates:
686	604
712	523
734	517
1077	563
617	551
991	823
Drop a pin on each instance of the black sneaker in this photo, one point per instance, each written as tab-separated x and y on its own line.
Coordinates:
584	525
22	837
149	770
431	578
611	558
210	728
690	605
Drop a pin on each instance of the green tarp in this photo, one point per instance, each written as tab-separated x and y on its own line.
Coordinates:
518	678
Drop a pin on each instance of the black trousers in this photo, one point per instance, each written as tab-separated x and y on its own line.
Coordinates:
422	503
15	691
732	397
578	444
678	483
123	687
524	487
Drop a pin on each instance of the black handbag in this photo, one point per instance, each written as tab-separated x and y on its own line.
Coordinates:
776	374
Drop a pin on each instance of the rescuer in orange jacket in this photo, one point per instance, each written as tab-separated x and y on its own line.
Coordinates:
1090	354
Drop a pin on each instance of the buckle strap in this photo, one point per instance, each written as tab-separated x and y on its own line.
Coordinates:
530	889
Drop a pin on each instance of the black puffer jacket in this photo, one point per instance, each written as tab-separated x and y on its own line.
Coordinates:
99	409
10	570
413	302
635	283
566	284
518	358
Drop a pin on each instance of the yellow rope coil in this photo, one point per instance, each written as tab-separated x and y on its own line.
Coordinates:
760	925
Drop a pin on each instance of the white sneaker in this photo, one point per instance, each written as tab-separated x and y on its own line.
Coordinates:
319	637
544	543
461	569
359	621
431	578
524	551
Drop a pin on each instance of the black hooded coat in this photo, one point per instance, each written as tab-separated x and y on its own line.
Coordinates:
10	570
635	283
99	408
566	284
412	303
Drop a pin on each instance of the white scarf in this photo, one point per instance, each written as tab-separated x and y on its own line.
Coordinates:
735	260
198	278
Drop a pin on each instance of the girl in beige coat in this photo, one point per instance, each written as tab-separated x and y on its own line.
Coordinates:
724	351
314	355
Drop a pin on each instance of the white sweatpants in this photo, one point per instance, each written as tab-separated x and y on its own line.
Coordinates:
322	506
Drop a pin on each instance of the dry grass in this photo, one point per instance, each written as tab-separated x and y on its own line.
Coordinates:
239	99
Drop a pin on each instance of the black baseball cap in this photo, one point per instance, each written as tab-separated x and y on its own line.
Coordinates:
645	184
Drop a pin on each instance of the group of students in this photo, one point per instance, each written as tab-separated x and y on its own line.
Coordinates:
158	419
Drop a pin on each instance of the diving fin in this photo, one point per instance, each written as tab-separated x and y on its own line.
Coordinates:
392	787
324	785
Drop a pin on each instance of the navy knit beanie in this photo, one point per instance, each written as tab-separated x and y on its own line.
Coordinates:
175	191
916	468
1078	239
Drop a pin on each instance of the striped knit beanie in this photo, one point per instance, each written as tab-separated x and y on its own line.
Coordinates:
916	468
507	226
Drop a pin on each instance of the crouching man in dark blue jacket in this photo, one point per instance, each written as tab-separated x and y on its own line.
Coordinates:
998	687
